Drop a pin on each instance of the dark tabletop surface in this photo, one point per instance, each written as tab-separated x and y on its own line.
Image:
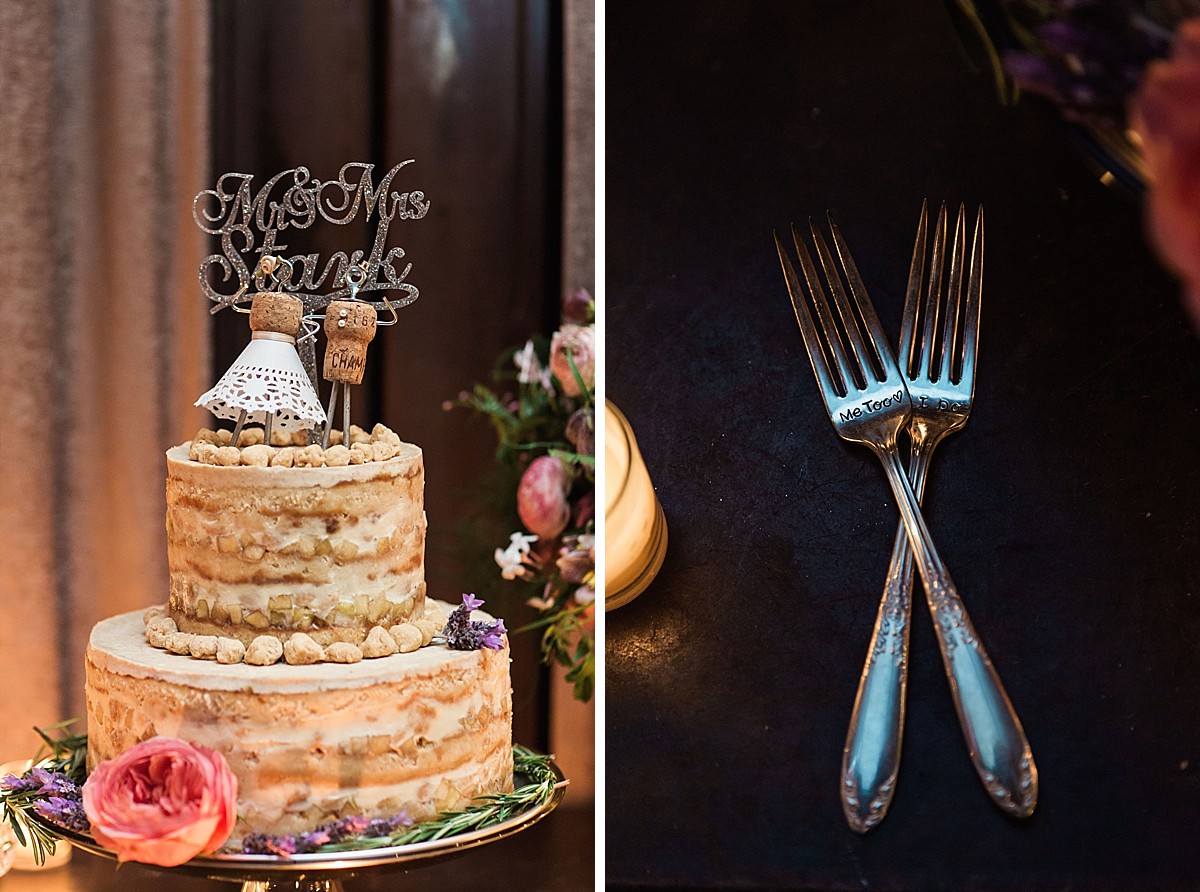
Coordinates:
1067	510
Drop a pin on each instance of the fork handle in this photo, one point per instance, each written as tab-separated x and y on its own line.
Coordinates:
996	741
871	758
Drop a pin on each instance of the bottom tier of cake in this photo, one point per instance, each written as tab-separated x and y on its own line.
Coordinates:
420	732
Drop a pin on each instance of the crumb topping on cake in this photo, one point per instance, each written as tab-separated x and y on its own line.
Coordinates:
291	449
298	649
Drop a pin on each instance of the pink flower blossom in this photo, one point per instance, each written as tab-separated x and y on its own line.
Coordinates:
542	497
162	802
1166	115
580	342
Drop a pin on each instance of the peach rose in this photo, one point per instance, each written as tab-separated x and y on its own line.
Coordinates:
1166	115
542	497
162	802
580	342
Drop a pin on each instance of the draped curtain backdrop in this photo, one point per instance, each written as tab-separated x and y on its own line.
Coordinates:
103	137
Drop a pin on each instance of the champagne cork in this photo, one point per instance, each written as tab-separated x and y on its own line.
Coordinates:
276	311
349	326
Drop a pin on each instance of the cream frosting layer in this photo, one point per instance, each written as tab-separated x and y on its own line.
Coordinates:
420	732
328	551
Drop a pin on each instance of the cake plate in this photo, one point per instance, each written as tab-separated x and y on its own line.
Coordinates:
324	872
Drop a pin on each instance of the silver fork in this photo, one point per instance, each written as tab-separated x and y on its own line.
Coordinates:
868	402
941	396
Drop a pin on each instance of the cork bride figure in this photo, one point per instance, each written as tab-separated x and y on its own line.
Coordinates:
267	383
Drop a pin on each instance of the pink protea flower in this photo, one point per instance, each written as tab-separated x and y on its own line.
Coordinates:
162	802
1166	116
580	342
542	497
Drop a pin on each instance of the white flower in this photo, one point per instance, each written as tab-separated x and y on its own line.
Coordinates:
530	370
514	559
585	594
545	602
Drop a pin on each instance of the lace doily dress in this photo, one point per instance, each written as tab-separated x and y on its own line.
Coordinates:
267	378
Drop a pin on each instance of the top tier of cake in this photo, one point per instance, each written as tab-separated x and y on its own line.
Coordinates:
265	550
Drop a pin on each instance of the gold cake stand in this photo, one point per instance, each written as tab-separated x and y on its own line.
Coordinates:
324	872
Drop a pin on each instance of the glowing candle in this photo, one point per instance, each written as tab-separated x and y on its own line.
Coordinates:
23	855
634	526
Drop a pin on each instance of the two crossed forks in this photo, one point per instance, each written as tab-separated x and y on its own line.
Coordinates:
870	399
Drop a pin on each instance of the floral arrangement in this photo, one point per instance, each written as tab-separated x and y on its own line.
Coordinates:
165	801
542	409
1128	73
1166	116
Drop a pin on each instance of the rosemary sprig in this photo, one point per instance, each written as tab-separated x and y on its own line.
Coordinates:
64	754
492	810
60	754
28	833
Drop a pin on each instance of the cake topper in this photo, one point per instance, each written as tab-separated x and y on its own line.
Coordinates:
349	327
267	383
292	199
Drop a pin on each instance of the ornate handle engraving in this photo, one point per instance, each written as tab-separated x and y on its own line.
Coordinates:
995	738
871	758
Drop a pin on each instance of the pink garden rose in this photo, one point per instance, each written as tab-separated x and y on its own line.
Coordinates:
162	802
580	342
542	497
1166	115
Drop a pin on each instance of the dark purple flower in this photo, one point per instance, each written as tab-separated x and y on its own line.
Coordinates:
493	633
39	781
313	840
388	826
265	844
11	783
65	812
461	633
578	307
581	431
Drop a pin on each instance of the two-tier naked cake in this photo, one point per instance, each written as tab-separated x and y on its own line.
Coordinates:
297	640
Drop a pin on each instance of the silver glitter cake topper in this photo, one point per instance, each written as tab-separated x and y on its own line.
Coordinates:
292	199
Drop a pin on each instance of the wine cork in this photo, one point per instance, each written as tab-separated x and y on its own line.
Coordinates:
276	311
349	327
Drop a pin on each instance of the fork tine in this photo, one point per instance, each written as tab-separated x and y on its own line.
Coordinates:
932	295
862	363
826	318
951	331
970	333
812	340
885	361
912	295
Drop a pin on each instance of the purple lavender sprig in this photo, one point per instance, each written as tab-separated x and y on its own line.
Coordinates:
40	782
64	812
463	633
333	833
50	793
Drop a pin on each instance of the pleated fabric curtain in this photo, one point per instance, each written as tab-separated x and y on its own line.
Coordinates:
103	144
